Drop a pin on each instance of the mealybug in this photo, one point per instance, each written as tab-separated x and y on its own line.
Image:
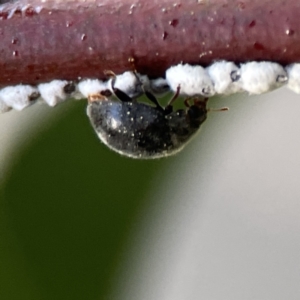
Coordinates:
92	86
261	77
293	71
19	96
193	80
224	75
56	91
131	83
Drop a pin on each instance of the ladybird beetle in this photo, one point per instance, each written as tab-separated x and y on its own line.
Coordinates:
140	130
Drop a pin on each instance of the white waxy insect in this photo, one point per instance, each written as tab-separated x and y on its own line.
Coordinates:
132	84
19	96
261	77
3	107
293	83
56	91
88	87
224	75
193	80
159	86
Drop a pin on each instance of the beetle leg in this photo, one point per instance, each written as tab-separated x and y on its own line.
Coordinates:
175	96
120	94
218	109
153	99
169	107
148	94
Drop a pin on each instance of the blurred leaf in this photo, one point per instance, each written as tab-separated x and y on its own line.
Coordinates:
67	206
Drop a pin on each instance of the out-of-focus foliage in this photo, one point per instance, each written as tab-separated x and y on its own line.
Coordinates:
67	206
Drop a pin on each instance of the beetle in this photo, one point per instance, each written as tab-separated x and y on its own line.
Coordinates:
140	130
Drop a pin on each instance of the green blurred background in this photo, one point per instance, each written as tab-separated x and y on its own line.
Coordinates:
220	220
67	206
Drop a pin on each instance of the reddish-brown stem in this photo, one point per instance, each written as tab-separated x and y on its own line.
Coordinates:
41	41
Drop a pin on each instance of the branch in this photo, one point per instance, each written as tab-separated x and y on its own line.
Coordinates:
42	41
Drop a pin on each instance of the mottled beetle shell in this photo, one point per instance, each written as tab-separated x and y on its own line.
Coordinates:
142	131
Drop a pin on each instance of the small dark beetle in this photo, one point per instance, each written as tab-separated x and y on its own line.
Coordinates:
143	131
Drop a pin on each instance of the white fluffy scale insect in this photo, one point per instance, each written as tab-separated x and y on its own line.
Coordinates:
224	75
293	71
18	97
56	91
132	84
221	77
92	86
192	80
261	77
3	107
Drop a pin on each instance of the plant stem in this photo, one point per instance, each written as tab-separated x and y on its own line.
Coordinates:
41	41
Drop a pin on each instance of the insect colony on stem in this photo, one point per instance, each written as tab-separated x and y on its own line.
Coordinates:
142	130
